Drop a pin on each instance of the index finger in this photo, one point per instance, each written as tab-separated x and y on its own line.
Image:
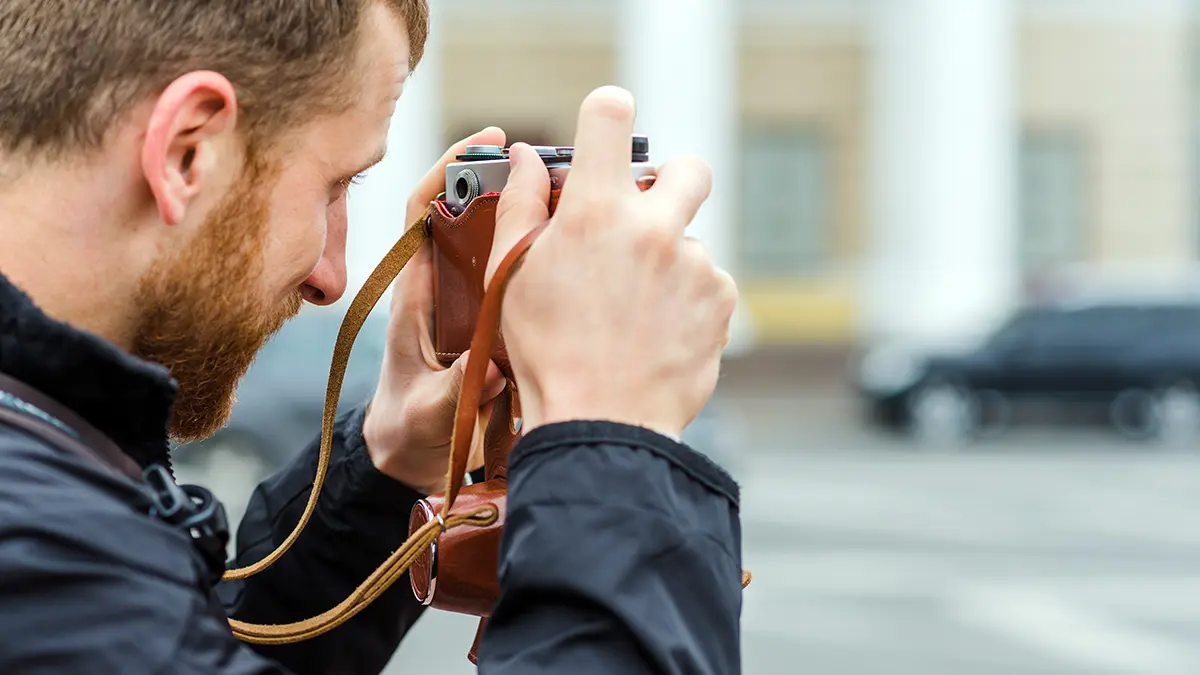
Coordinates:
434	182
681	187
604	137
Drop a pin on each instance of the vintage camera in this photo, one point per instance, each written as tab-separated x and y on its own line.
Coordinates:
483	169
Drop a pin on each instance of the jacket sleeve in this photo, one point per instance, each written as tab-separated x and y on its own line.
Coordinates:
621	554
361	517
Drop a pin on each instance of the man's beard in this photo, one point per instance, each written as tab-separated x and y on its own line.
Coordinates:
202	312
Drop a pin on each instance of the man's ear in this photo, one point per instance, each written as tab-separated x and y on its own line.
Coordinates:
190	123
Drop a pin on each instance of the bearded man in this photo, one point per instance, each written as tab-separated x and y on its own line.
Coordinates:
173	179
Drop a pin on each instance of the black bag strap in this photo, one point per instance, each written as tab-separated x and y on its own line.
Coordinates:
26	408
190	508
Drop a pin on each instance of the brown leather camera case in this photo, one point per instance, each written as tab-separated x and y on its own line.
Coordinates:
458	572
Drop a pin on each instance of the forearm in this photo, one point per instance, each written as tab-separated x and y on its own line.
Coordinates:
621	553
361	517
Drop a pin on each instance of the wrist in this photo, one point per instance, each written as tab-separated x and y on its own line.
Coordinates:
582	415
386	443
564	407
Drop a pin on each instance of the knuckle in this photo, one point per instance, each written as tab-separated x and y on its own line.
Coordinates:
692	171
675	210
656	240
662	215
583	209
697	166
598	205
697	252
728	293
699	265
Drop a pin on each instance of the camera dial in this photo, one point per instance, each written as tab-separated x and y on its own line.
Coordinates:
475	153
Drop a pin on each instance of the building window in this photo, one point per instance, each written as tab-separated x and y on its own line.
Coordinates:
784	203
1051	200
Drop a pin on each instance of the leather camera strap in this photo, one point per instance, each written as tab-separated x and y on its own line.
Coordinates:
466	416
395	566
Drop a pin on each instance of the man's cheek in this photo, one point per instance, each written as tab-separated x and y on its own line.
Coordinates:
293	248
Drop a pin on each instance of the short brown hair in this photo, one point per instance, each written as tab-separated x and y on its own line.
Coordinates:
70	68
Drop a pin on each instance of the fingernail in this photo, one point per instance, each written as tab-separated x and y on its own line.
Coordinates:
513	157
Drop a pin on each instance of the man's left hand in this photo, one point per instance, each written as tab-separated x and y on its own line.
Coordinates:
410	420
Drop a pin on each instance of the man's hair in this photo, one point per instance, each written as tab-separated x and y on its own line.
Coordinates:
69	69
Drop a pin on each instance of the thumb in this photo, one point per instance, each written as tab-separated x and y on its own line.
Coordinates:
523	203
493	383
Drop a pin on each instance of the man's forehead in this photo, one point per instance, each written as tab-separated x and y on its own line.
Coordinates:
353	141
384	69
385	44
384	59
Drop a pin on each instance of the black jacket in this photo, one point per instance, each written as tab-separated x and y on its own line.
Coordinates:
621	551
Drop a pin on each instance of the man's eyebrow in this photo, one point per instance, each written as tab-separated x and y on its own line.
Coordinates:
375	159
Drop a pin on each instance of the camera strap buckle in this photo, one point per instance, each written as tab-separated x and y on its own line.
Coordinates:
195	511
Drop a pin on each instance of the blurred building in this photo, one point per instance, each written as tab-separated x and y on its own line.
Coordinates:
888	165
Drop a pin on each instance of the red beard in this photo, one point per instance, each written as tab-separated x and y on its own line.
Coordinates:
202	312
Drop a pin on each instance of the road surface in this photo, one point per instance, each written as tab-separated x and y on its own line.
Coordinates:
1036	554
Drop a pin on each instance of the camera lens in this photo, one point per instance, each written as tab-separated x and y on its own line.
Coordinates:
466	186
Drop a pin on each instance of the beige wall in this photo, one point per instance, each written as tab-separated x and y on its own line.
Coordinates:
1127	87
524	76
1124	84
816	78
497	74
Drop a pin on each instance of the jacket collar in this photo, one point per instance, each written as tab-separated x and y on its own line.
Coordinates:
126	398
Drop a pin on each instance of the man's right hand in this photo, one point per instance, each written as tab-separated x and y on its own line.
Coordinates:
614	314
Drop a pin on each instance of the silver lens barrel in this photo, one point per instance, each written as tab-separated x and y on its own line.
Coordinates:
466	186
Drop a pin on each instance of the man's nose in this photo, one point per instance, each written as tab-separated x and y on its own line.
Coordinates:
327	283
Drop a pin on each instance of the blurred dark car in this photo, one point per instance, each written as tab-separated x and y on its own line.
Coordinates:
1139	361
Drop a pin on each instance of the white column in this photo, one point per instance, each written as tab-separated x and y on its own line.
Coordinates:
376	205
941	263
679	58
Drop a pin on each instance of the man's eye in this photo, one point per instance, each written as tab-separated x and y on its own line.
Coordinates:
343	186
345	183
